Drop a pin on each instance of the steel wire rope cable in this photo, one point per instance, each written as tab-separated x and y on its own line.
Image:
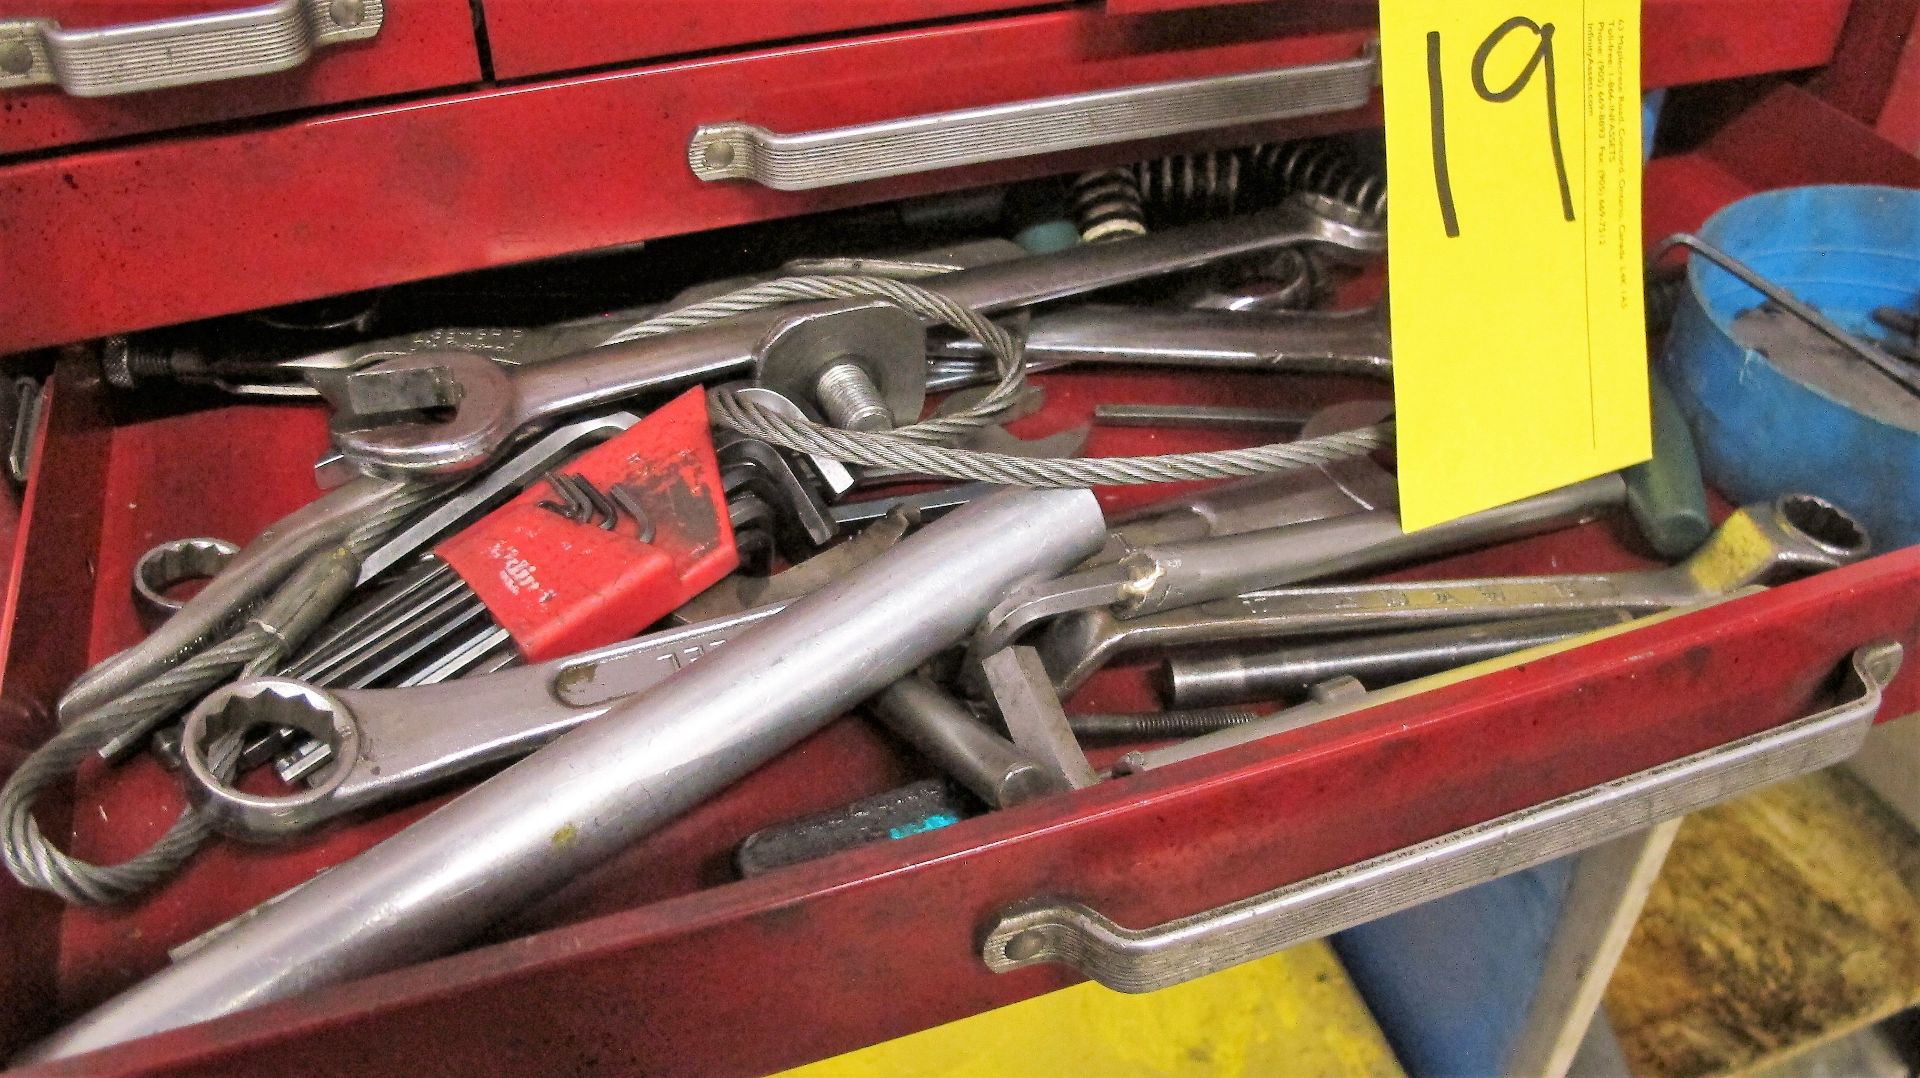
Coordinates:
274	631
921	447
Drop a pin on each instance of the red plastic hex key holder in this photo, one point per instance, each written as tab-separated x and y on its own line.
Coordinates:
560	586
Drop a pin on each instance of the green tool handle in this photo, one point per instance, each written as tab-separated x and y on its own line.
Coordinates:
1666	496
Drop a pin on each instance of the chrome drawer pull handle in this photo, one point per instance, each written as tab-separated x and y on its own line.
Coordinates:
1145	960
179	52
799	162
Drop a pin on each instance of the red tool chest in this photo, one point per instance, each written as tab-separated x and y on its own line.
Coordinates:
420	46
427	151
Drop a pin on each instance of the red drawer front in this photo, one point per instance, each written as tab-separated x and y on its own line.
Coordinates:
655	964
538	37
533	37
881	942
156	234
422	45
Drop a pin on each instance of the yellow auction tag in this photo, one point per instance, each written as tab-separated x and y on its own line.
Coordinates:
1519	336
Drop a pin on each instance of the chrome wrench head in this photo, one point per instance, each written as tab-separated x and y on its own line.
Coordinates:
175	562
214	731
1341	224
486	406
1792	536
474	396
995	438
1763	544
382	744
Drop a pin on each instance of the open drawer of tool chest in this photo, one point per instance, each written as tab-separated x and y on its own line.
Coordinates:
662	962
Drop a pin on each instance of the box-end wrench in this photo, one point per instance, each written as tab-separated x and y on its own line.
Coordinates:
400	741
260	566
381	426
397	742
1759	544
596	791
1172	575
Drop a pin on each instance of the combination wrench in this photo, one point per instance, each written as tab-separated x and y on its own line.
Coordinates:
381	428
1762	544
382	744
1168	576
561	812
371	745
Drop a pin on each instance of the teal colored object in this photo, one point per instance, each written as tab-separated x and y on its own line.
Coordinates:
1762	431
1048	237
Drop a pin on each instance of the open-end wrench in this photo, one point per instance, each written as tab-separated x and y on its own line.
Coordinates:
1171	575
381	424
995	438
318	374
1759	544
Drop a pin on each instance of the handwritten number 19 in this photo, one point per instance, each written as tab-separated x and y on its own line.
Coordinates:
1542	58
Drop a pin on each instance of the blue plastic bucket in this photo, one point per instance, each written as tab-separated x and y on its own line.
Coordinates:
1762	431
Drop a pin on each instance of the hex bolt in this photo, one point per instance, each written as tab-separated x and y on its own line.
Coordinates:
866	367
849	398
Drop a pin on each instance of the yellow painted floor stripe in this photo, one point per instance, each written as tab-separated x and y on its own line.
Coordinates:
1292	1014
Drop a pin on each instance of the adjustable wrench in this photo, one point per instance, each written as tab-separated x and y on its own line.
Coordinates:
380	426
1759	544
